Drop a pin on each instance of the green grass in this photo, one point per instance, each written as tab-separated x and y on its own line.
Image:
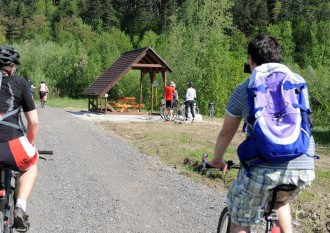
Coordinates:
322	135
68	103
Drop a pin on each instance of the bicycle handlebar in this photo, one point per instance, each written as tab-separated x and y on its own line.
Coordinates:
46	152
230	164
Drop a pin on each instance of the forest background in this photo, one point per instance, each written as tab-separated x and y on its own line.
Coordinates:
70	43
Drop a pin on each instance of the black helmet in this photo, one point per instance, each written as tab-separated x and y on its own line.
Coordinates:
8	55
190	84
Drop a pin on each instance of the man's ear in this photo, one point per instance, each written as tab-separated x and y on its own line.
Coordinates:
12	69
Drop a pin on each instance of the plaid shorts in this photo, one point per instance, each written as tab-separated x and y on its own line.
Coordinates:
249	196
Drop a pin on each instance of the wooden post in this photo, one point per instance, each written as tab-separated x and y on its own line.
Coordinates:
106	102
152	78
100	103
164	77
89	102
141	79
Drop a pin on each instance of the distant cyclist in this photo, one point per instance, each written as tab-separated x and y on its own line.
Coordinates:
190	101
43	91
16	149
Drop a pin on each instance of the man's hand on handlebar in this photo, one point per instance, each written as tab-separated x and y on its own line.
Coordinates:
213	164
219	164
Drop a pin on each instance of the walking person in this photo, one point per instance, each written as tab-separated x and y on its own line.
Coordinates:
294	165
16	149
190	101
43	92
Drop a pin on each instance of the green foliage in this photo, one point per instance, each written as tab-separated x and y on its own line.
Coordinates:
283	31
69	44
319	86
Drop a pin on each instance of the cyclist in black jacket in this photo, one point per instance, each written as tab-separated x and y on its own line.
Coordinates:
17	149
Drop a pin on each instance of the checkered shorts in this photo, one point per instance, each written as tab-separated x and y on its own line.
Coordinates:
248	196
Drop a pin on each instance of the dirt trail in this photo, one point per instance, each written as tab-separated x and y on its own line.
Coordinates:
96	182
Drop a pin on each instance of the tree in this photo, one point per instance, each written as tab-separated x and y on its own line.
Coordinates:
250	16
283	33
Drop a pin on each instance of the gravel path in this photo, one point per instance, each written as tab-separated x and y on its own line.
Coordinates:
96	182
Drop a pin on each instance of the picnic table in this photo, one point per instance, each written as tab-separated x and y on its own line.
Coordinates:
124	104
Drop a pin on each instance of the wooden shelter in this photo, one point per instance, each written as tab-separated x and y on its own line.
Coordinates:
144	59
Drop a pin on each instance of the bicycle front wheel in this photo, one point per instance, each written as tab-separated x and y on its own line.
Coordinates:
162	112
224	222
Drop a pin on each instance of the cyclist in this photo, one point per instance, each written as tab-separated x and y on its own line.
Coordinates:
169	97
16	149
249	193
43	90
190	101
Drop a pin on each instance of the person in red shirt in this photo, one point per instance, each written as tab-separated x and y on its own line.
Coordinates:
168	92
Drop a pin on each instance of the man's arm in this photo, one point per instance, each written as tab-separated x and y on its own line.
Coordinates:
32	125
228	131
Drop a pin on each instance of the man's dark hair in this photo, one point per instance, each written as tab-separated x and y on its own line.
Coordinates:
265	49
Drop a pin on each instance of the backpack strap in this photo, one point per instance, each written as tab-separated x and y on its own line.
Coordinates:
8	114
21	125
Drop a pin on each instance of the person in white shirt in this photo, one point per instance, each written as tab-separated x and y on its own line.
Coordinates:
190	101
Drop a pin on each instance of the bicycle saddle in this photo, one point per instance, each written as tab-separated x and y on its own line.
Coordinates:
285	187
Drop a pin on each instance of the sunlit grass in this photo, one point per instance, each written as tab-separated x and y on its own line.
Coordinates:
68	103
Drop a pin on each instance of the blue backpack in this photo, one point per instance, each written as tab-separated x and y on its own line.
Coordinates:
278	119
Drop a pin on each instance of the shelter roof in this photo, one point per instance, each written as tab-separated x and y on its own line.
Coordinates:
144	59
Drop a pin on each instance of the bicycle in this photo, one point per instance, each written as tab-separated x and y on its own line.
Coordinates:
177	110
211	109
7	196
43	95
268	214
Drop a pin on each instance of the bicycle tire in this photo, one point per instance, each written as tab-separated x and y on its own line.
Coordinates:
10	218
211	112
162	112
2	215
224	222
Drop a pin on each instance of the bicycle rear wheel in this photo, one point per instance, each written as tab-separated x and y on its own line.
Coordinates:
211	112
2	215
224	222
10	212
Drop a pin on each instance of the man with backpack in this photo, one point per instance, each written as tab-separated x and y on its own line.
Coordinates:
16	149
279	148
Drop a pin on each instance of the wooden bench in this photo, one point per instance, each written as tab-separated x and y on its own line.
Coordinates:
125	103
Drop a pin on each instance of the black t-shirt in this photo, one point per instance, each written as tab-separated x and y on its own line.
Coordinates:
14	92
